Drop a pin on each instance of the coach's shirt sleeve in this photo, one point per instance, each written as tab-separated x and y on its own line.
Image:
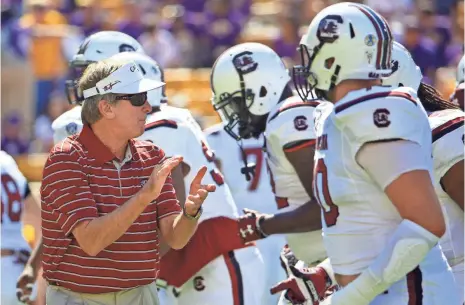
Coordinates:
65	190
167	203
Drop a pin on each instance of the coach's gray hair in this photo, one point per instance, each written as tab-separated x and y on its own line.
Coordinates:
94	73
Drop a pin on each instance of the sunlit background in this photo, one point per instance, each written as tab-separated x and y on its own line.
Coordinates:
184	36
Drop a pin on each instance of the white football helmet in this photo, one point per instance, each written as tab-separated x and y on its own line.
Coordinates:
405	71
460	71
247	81
344	41
98	46
151	70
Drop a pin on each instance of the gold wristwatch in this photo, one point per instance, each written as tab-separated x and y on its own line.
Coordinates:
195	217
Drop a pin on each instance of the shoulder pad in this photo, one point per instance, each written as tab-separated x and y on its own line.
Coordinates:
381	114
448	139
71	116
445	121
291	103
161	123
175	113
214	130
174	140
7	159
292	125
67	124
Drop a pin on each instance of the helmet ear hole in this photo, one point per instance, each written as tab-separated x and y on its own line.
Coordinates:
263	91
329	62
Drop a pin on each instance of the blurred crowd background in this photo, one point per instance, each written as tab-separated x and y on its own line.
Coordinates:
38	37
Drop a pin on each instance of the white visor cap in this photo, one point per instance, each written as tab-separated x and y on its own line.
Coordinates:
128	79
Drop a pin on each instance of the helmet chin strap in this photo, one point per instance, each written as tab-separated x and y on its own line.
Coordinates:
249	168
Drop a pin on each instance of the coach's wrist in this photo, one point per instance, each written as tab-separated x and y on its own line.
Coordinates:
191	215
144	197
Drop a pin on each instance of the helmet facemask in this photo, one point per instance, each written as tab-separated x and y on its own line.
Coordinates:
71	84
233	109
306	81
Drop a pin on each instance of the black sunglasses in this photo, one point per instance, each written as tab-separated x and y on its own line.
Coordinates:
137	100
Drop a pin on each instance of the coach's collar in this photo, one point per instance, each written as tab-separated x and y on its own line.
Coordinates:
98	150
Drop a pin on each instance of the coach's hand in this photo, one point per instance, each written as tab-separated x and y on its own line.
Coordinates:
198	192
25	284
158	177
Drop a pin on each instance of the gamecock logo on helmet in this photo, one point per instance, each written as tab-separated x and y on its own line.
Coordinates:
244	62
328	29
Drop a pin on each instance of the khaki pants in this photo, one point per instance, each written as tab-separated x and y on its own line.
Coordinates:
143	295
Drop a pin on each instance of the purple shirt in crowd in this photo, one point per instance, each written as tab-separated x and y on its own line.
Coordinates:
77	19
131	28
14	146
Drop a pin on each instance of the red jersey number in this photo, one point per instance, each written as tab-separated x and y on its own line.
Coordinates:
12	207
215	173
321	189
258	153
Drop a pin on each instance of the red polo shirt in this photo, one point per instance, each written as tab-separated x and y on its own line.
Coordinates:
81	182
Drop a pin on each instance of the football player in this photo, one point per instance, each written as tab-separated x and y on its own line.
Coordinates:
458	95
17	202
226	268
252	96
446	121
254	193
373	169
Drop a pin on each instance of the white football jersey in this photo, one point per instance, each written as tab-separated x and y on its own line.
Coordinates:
358	217
67	124
254	194
448	145
177	136
289	127
14	190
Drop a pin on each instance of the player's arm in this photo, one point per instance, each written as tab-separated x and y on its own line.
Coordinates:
31	214
28	277
304	218
448	157
294	131
453	183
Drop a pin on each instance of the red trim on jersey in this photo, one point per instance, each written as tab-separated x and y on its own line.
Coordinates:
235	274
302	144
214	237
281	202
447	127
414	286
161	123
369	97
293	105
